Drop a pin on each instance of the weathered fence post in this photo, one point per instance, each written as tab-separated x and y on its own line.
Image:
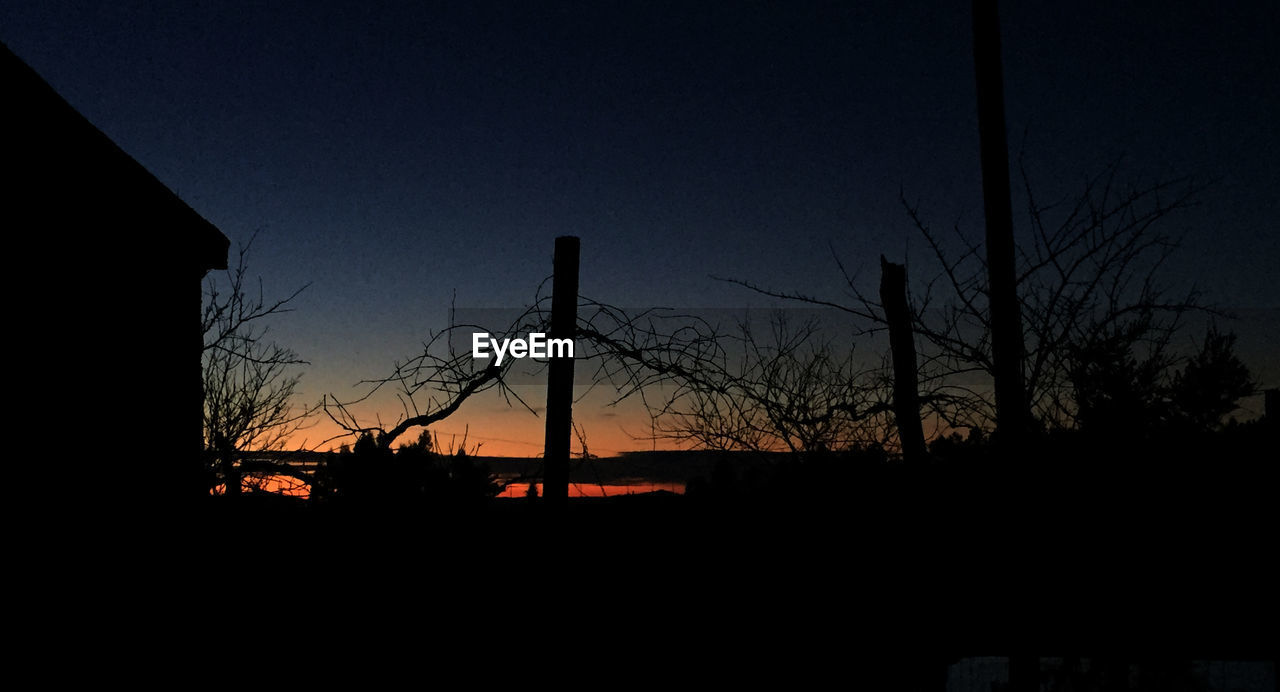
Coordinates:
906	391
564	323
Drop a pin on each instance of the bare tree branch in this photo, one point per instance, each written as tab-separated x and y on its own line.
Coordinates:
249	381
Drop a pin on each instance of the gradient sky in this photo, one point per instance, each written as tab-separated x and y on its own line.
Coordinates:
392	154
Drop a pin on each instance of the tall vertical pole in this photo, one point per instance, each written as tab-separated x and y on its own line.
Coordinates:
564	323
1006	321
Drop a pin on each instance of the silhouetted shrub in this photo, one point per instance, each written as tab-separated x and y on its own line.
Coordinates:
413	476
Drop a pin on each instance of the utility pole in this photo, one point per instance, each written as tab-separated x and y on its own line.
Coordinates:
1006	320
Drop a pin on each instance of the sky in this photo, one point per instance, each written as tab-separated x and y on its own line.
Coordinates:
397	157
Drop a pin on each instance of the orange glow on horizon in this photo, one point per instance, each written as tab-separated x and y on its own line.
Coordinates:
593	490
501	431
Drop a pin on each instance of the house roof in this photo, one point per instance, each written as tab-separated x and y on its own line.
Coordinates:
81	182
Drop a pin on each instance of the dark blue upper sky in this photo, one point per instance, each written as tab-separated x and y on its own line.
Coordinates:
392	153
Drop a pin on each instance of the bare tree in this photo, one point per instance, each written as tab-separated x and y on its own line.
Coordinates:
787	387
434	384
249	380
1088	269
633	351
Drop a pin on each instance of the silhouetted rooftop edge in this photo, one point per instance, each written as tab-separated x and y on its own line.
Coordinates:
36	113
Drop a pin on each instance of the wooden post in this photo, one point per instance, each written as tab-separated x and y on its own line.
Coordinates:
906	390
1006	320
564	323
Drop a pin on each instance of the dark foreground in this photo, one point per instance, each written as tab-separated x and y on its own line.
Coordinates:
881	579
940	563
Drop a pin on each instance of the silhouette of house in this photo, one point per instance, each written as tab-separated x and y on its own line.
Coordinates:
108	300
